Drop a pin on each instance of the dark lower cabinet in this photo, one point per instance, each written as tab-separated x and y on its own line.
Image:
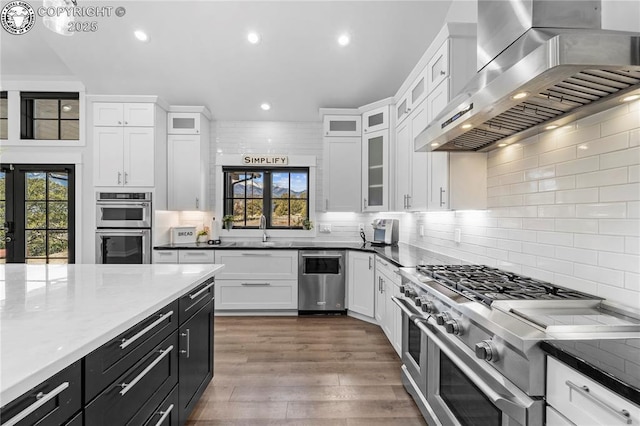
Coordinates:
52	402
195	358
78	420
135	395
166	414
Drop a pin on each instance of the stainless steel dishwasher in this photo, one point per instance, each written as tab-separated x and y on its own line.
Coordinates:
321	281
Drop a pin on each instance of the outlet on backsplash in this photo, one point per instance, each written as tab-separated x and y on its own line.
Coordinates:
324	228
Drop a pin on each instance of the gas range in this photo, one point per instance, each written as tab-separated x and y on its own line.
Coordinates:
501	317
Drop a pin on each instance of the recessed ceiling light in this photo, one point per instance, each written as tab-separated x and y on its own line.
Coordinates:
466	126
344	39
520	95
253	37
67	108
551	127
502	145
630	98
265	106
141	35
435	144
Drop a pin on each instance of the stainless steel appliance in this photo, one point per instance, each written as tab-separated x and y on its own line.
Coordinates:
321	281
385	231
123	233
477	359
540	63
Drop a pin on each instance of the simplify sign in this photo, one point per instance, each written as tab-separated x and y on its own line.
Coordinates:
274	160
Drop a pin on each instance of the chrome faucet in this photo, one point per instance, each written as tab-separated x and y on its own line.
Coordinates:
263	226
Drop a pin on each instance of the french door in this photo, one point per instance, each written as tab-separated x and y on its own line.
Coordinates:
37	206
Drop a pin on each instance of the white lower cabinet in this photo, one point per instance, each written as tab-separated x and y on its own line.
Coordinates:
183	256
390	316
556	419
257	280
360	283
582	401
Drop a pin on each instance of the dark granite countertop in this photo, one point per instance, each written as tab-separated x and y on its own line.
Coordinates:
402	255
614	363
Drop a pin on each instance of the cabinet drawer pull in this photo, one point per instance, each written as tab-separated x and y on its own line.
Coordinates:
126	387
127	342
255	284
164	414
584	391
126	177
41	400
256	254
165	253
370	263
195	253
199	292
119	178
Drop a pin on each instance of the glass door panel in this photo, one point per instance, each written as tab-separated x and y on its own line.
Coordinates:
376	171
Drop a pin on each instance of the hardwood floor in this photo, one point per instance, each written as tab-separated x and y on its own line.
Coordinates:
316	370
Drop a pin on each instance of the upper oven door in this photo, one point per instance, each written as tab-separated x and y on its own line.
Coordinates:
463	390
123	214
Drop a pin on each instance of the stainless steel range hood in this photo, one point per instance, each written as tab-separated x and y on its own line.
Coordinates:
561	74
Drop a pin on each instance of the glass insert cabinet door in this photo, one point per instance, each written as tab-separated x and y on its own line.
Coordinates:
375	171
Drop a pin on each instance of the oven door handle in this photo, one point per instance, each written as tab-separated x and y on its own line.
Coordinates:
412	316
512	409
121	205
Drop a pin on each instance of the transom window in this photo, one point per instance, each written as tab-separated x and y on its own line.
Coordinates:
4	126
50	115
280	194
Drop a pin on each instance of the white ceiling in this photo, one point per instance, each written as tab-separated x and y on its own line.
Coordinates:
198	53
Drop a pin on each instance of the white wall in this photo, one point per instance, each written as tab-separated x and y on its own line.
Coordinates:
564	207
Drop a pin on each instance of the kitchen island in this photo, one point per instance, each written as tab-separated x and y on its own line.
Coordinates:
53	316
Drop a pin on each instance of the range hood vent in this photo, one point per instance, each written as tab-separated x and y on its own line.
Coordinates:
547	77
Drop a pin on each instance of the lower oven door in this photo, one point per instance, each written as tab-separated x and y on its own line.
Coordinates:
463	390
118	246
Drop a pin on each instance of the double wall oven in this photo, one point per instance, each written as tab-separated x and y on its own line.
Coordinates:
123	222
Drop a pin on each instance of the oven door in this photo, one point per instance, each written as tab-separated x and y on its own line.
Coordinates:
414	345
132	246
463	390
121	214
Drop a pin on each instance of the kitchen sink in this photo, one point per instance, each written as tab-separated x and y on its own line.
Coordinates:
262	244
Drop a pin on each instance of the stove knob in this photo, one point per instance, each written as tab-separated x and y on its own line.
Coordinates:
442	318
402	289
428	306
418	301
486	350
453	327
410	293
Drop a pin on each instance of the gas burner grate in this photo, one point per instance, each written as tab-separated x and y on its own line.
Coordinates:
486	284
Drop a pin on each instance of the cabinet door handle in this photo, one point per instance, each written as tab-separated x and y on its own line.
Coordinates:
381	285
126	122
199	292
41	399
370	263
326	204
255	284
442	191
127	342
126	387
126	178
197	203
188	336
365	130
584	391
164	415
119	178
119	122
408	201
365	204
442	72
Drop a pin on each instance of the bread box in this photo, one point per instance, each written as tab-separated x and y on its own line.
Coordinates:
183	234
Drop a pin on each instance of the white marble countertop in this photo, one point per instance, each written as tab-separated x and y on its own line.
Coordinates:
53	315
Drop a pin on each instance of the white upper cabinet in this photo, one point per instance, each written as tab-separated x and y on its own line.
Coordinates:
188	160
411	167
375	120
375	171
342	175
124	157
183	123
437	100
438	66
342	125
123	114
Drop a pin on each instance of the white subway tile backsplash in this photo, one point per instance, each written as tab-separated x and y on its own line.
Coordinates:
628	227
634	174
603	116
540	173
523	188
559	183
578	136
621	123
539	198
628	157
575	167
538	224
574	196
632	281
510	178
632	245
537	273
619	295
633	210
522	235
509	245
555	238
580	226
578	255
557	156
538	249
602	178
546	142
600	275
522	259
599	242
624	262
585	286
629	192
634	137
604	145
608	210
557	210
554	265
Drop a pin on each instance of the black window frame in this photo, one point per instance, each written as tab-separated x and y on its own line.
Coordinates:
27	112
5	120
267	197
